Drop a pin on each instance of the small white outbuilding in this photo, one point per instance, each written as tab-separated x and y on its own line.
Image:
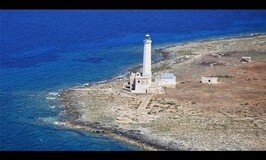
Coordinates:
246	59
166	80
209	79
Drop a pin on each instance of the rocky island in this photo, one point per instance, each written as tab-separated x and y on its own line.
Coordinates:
227	115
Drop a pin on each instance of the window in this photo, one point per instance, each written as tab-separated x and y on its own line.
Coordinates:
209	80
138	81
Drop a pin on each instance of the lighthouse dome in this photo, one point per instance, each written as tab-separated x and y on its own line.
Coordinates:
147	36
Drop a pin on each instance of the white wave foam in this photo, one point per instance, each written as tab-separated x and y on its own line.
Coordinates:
50	97
51	120
47	119
61	106
53	93
62	113
52	107
58	123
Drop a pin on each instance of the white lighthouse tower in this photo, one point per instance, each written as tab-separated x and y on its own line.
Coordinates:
147	56
142	82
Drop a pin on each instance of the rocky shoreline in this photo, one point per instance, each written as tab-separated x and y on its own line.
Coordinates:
134	137
160	127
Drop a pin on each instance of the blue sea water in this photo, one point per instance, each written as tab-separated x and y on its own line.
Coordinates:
48	50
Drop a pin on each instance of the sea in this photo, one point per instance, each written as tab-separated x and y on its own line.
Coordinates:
46	51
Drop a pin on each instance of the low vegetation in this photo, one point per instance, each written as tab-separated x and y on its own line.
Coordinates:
162	67
184	52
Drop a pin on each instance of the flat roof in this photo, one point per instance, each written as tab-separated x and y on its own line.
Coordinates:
210	76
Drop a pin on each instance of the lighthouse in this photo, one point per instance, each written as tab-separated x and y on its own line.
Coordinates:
147	56
141	82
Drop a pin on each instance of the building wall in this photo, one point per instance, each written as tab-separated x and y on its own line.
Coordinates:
132	81
209	80
166	82
142	84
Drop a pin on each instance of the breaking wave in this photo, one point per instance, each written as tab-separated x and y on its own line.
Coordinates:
50	98
50	120
53	93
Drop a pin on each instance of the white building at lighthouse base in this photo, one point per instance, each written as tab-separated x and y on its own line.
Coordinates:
141	84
